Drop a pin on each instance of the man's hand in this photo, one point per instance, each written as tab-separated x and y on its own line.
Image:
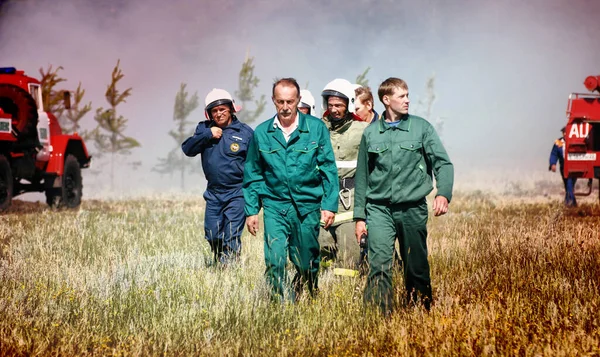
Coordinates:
440	205
252	224
360	229
553	168
327	218
216	132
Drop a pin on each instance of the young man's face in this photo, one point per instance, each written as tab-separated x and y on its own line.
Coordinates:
398	101
336	107
286	99
363	109
221	115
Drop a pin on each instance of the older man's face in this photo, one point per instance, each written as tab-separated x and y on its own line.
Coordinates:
286	99
221	114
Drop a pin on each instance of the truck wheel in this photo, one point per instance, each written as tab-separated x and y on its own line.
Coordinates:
21	106
69	194
6	184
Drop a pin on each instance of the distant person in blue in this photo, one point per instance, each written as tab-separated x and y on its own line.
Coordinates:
557	155
222	141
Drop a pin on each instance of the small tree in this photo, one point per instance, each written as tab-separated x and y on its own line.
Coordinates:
361	79
109	135
175	160
248	82
51	98
425	105
69	119
74	114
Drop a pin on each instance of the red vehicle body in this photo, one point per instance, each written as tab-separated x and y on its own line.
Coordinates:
582	137
35	155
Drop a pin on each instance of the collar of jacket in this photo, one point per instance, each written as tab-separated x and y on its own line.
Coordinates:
375	116
341	125
302	124
235	124
403	125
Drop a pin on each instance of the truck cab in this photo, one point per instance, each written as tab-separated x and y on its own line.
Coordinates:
582	137
35	155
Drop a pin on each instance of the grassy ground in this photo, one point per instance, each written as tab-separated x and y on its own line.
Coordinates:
511	276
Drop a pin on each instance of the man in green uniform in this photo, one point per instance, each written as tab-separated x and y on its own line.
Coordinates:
345	129
290	172
397	157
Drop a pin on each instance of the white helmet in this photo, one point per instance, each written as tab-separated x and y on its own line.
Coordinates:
307	101
339	88
218	97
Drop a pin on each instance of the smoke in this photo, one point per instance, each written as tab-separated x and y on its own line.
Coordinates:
503	70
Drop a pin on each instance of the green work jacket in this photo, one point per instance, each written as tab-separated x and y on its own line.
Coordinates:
396	164
300	172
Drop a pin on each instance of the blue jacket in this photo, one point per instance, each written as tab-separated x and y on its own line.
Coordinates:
558	153
222	159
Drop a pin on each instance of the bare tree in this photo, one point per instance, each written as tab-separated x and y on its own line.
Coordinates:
361	79
109	135
248	82
175	160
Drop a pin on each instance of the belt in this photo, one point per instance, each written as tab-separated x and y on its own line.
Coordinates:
347	182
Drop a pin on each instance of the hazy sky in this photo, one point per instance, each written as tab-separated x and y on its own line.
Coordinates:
504	69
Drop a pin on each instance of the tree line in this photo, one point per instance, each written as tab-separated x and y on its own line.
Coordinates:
109	135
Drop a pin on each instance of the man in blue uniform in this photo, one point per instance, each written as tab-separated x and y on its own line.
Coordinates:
223	142
557	155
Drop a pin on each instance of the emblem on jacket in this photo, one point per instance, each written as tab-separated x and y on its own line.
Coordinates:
234	147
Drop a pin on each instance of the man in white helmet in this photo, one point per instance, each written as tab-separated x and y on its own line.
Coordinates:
307	102
222	141
345	130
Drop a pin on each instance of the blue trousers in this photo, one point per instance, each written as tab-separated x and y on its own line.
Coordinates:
570	191
224	220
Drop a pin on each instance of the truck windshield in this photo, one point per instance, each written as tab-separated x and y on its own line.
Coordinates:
34	90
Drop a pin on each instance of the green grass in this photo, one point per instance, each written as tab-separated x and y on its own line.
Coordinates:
135	278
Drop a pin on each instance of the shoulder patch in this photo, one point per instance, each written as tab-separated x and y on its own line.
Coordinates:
558	143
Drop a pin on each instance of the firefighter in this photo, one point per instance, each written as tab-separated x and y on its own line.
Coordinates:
290	172
307	102
397	156
345	130
222	141
365	104
557	155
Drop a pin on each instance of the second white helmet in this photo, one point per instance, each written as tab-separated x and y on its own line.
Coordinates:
218	97
307	101
339	88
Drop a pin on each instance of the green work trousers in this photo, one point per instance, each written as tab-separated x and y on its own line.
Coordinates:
287	233
408	222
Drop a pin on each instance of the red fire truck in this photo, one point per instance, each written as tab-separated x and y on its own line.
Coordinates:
35	155
582	137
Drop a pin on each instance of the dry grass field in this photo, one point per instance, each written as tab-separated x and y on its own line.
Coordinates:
513	274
